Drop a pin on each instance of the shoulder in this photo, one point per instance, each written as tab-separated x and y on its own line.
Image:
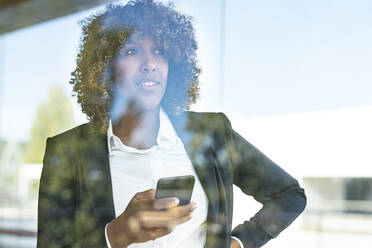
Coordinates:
74	135
214	120
202	123
71	133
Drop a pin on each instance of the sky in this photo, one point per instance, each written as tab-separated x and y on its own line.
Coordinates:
295	56
279	57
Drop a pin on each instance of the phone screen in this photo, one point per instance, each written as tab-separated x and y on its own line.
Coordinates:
180	187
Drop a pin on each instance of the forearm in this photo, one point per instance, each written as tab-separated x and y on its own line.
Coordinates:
256	175
275	215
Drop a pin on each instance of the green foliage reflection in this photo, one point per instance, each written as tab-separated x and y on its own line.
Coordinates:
52	117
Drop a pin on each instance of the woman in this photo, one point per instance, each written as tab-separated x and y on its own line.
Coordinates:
135	79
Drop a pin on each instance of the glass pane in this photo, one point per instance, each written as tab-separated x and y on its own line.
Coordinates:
292	77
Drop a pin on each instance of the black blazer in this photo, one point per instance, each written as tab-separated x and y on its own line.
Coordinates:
75	196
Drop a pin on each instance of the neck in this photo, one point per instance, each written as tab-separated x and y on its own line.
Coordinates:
138	129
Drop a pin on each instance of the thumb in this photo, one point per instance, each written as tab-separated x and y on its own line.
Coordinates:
147	194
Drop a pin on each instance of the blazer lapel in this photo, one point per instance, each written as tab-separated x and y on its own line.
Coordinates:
94	178
198	144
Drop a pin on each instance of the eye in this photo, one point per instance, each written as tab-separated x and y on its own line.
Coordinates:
129	52
159	51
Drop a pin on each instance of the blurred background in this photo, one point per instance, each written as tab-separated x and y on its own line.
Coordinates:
294	78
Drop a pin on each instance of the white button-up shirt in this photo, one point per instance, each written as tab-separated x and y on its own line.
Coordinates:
134	170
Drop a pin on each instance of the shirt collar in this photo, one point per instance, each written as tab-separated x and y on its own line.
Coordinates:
166	139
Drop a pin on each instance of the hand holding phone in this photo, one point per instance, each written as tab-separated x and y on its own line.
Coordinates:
147	218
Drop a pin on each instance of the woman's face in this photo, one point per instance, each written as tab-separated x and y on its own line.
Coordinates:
141	73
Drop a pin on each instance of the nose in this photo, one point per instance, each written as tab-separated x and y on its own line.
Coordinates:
148	64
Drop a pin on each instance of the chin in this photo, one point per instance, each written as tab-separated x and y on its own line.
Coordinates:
149	105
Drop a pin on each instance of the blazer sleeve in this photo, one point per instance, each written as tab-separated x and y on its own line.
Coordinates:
256	175
57	214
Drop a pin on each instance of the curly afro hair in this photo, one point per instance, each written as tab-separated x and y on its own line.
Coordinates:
104	34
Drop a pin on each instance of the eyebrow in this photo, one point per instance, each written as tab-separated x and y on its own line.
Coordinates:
133	41
130	43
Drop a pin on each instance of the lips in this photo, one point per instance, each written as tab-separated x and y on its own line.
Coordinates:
148	84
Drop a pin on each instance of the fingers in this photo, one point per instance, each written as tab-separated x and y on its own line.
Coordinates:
166	219
165	203
163	222
181	210
158	232
175	212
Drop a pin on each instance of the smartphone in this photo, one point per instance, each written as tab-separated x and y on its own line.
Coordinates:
180	187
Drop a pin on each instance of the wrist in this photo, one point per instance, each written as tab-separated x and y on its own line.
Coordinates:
234	243
116	239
